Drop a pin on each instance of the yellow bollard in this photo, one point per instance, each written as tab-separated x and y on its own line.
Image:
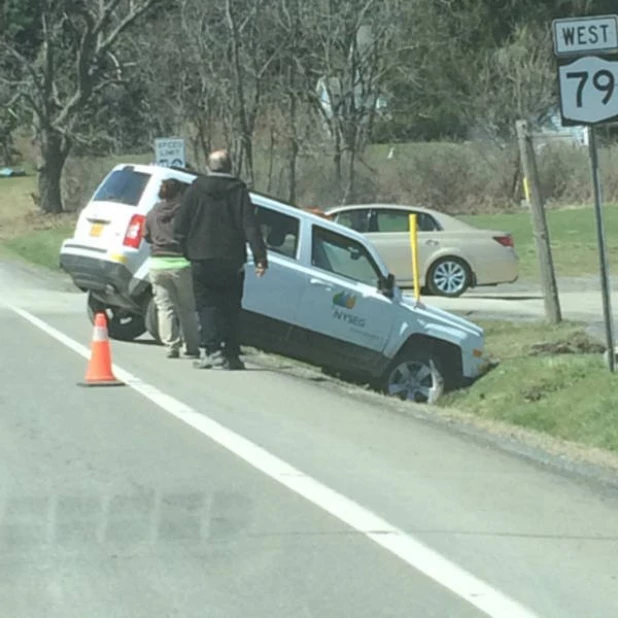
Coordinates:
414	247
526	190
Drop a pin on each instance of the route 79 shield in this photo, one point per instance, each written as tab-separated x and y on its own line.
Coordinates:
588	91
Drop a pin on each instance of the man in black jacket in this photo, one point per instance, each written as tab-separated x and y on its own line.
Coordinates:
215	221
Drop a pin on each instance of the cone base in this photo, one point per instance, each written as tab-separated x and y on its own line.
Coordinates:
102	383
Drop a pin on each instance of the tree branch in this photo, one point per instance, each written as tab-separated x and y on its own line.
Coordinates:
92	48
136	13
25	63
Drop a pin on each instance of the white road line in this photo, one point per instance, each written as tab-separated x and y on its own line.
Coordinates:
425	560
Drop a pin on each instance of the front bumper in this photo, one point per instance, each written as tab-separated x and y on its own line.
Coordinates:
110	282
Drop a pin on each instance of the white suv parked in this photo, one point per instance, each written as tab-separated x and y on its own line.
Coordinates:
327	297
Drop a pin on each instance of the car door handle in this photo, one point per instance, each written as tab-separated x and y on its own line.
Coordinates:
321	283
432	243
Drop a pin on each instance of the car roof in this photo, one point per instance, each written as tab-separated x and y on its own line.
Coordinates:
259	198
382	206
447	221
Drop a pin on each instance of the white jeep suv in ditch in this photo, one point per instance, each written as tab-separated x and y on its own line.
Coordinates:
327	298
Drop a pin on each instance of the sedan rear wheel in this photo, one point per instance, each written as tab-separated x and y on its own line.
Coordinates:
449	276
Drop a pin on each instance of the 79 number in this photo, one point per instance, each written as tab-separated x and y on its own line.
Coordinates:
602	80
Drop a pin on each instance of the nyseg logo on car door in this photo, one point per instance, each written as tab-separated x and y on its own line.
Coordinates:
343	304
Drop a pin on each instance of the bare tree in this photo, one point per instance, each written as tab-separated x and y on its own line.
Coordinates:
356	51
254	46
289	94
75	60
516	81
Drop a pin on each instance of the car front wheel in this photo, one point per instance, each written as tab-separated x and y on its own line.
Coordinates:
414	376
449	276
122	325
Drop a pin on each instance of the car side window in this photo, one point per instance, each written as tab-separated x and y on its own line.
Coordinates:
343	256
355	219
399	221
280	231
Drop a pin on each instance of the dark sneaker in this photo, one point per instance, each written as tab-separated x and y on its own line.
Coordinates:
210	361
191	354
234	364
172	354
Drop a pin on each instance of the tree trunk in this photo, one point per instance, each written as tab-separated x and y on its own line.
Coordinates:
7	149
337	156
247	141
294	147
349	190
204	137
293	164
54	152
271	159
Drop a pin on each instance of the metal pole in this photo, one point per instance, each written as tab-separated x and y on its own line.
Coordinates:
598	210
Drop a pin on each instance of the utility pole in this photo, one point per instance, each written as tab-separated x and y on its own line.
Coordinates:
539	223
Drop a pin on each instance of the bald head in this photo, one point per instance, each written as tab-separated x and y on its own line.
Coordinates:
220	161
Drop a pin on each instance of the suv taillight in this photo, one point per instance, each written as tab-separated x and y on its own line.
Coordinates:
505	241
135	231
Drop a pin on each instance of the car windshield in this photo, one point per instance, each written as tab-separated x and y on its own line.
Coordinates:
124	186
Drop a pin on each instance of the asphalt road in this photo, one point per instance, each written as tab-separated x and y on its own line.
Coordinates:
207	495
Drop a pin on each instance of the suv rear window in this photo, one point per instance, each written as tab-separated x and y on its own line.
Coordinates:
122	186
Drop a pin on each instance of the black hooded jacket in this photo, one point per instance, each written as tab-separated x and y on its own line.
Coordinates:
159	229
217	219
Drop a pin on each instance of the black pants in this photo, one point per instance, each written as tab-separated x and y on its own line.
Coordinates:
218	288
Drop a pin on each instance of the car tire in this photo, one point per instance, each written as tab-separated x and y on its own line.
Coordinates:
414	375
121	324
151	320
449	277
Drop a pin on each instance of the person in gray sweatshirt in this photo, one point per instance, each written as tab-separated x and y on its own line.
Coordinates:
170	275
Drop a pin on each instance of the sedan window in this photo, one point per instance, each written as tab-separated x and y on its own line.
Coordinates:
343	256
399	221
356	219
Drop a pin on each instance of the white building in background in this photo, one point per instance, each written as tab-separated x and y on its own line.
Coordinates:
549	125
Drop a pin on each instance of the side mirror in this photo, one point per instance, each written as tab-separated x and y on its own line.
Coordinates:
387	285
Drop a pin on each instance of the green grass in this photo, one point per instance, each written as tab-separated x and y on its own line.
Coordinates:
40	247
571	396
572	233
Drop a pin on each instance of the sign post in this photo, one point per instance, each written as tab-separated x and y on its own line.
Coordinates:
605	283
170	152
587	77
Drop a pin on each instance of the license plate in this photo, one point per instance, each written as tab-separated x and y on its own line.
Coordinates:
97	229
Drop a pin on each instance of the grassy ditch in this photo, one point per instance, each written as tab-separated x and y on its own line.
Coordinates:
40	246
551	380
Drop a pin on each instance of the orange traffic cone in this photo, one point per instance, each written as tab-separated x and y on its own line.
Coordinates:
99	372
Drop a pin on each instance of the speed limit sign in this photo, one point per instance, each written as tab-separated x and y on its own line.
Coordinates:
588	90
